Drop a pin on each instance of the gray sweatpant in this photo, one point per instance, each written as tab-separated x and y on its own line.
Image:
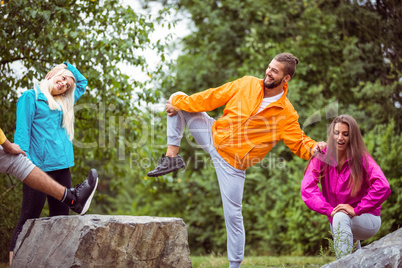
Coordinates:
231	180
15	164
348	231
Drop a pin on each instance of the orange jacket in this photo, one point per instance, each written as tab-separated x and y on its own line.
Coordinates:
240	136
2	137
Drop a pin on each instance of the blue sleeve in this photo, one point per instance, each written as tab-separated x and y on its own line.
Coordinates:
80	81
25	117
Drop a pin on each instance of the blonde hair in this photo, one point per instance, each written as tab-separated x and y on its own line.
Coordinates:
63	102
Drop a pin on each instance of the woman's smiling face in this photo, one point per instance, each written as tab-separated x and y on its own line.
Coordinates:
341	136
61	84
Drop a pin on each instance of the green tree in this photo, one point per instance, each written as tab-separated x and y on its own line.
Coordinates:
103	39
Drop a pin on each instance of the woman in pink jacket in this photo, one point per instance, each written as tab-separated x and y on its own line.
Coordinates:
353	186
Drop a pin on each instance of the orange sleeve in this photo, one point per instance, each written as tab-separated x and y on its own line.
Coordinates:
295	138
207	100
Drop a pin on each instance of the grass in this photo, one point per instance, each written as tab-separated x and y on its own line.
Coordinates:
256	262
260	262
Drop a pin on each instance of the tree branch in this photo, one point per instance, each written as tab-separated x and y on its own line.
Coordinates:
11	60
3	62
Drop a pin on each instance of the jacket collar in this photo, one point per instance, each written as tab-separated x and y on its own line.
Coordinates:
282	100
39	94
330	159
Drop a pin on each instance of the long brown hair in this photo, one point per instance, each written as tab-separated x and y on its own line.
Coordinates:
356	151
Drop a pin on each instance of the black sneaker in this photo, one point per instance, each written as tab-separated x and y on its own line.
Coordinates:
83	193
167	165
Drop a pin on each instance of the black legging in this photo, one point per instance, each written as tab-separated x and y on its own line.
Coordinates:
33	202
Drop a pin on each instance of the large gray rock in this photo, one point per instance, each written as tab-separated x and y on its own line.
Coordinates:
103	241
386	252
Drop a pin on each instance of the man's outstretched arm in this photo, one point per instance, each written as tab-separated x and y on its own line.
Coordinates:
298	142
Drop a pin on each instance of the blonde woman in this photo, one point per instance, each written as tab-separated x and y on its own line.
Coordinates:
45	130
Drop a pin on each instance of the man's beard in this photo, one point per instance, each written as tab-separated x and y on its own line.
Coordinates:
273	84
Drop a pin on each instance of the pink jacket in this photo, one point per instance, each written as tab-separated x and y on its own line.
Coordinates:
375	188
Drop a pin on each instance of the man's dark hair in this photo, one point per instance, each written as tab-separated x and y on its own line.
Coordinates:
290	62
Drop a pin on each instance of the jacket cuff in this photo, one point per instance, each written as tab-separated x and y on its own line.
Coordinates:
176	94
74	70
68	66
329	211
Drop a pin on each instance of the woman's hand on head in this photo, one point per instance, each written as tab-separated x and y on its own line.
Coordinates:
55	70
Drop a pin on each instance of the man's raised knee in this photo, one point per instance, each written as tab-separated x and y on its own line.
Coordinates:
176	94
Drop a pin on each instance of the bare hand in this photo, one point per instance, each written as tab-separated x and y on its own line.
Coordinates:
170	109
12	148
346	208
55	70
320	146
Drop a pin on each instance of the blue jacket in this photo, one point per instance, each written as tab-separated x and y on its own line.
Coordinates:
40	132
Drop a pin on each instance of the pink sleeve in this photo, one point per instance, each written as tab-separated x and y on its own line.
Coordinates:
379	189
310	192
